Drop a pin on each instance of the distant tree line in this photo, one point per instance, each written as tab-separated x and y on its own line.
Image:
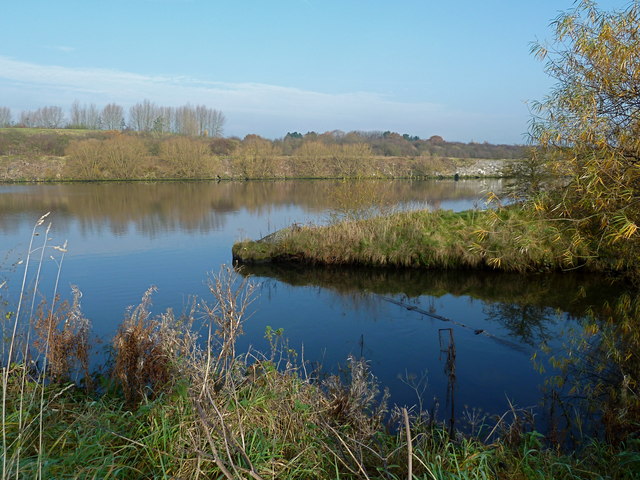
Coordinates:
392	144
145	116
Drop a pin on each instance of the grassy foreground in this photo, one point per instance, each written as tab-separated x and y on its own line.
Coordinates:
512	239
272	426
173	405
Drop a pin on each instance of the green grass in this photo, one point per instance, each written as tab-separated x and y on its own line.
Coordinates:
39	131
279	426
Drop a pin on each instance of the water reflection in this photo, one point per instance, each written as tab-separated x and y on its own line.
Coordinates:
473	333
155	207
526	307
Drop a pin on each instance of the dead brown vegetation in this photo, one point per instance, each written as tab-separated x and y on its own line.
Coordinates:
150	350
63	338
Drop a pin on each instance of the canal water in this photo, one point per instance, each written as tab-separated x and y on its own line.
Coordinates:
455	342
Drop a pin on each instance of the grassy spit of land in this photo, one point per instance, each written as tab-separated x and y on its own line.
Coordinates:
512	238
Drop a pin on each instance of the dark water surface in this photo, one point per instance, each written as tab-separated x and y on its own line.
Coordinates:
125	237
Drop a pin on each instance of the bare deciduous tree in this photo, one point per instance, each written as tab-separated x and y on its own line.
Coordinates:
199	120
112	117
84	116
187	121
142	115
45	117
214	123
93	119
165	120
5	117
51	117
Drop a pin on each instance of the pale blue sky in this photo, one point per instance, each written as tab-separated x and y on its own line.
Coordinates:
460	69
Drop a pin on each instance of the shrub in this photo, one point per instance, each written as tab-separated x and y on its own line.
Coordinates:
118	157
187	157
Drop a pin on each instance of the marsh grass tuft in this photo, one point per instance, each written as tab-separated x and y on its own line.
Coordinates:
153	352
356	401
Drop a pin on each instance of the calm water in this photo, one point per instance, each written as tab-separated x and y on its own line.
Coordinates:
123	238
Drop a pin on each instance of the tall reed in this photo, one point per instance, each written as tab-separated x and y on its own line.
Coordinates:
18	363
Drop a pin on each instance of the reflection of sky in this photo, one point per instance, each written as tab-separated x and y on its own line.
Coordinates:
113	269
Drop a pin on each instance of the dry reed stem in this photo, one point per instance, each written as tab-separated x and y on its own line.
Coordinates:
25	354
358	463
5	376
407	427
233	295
214	450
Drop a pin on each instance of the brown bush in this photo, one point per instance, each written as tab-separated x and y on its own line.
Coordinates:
257	158
223	146
187	157
84	161
351	160
312	159
124	157
117	157
152	353
142	364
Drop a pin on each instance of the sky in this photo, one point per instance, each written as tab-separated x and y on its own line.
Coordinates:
462	70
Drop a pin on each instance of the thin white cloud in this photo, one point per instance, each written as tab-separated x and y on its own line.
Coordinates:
268	110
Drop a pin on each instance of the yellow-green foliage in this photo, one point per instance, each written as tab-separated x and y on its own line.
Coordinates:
590	122
600	367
